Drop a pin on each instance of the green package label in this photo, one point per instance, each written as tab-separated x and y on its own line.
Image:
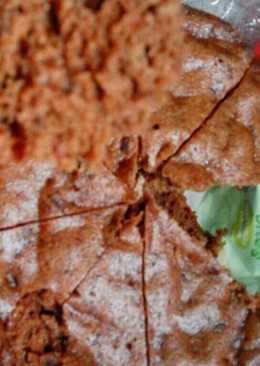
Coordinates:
242	229
238	212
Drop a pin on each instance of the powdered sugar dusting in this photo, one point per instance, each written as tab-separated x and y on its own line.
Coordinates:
156	263
245	109
158	284
139	187
5	309
113	351
112	324
20	196
193	64
29	264
74	327
69	223
161	324
182	90
185	297
131	236
254	362
107	190
118	301
189	288
26	210
207	30
6	358
31	172
120	307
74	258
13	242
217	73
201	318
196	363
159	140
123	266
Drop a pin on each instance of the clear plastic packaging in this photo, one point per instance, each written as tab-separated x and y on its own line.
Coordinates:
243	14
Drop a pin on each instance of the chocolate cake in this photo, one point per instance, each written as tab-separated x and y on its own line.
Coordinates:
213	64
133	283
66	89
36	191
226	148
111	267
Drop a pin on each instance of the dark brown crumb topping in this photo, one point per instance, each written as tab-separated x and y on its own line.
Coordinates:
37	335
68	88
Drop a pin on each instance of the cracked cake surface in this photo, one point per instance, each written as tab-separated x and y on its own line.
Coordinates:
135	284
213	64
67	89
225	150
196	313
111	268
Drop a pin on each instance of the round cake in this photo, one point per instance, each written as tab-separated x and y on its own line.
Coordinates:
112	267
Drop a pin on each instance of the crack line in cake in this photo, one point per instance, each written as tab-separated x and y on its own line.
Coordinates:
210	115
52	218
84	278
170	214
100	287
244	326
146	322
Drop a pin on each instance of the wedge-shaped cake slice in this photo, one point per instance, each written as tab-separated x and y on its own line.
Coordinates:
72	288
53	255
226	149
106	311
213	64
196	313
132	284
37	191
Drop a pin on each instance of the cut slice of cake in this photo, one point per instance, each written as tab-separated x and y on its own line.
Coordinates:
214	63
226	149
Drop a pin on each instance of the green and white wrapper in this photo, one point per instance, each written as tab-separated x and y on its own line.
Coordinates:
238	213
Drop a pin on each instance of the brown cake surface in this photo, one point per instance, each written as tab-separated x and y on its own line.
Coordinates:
213	64
135	283
226	149
92	266
111	268
38	190
196	314
67	88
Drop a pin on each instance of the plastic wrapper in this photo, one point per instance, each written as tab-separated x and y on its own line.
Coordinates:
242	14
237	212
